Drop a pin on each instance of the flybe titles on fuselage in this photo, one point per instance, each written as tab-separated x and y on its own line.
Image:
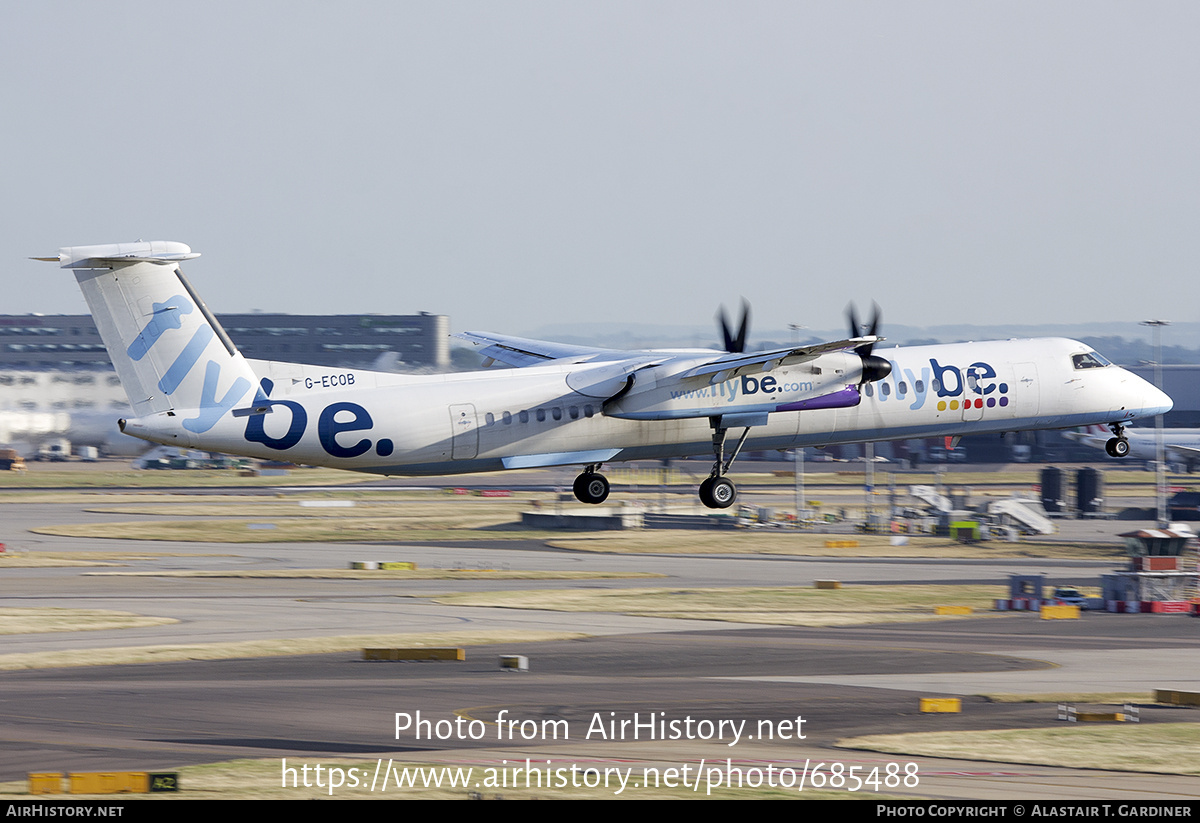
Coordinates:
946	382
353	418
977	385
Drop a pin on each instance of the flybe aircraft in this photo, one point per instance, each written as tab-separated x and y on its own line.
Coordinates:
569	405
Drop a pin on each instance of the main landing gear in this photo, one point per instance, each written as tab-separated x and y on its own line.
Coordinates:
1118	446
591	486
718	491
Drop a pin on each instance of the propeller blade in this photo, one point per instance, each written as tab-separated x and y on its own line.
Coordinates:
876	316
871	330
873	368
735	344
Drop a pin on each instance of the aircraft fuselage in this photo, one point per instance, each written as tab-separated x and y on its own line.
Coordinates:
482	421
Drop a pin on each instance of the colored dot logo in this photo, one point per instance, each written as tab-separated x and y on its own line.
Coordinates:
978	402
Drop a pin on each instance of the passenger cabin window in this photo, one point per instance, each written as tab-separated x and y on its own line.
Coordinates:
1090	360
524	416
507	418
489	418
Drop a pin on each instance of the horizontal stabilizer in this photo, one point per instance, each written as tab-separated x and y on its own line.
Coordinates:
115	254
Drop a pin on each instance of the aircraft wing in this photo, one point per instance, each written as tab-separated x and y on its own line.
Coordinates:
520	351
727	366
1183	451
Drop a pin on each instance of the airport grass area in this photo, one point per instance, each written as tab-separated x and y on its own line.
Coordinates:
37	619
1162	748
391	574
810	544
281	647
389	529
434	517
50	559
783	606
262	780
1112	698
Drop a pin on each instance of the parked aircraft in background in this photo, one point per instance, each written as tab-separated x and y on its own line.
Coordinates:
570	405
1179	445
40	410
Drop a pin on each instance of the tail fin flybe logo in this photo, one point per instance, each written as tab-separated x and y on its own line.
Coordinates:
168	316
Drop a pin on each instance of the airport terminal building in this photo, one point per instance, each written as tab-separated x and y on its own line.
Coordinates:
33	342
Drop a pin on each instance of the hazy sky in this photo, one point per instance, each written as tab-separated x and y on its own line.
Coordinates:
516	164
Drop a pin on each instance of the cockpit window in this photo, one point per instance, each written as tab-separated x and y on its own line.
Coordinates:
1090	360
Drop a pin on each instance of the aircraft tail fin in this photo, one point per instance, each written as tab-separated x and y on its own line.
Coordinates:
171	354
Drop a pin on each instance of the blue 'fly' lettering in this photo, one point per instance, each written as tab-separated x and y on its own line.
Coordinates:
168	315
211	409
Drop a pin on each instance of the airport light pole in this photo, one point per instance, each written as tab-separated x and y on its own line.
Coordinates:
869	478
1160	472
798	454
798	469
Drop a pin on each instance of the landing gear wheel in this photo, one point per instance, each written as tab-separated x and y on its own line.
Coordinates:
1117	447
591	488
723	493
717	493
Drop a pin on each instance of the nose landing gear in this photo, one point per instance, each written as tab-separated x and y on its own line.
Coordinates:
1118	446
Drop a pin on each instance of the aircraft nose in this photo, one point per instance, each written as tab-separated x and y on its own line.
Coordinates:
1155	401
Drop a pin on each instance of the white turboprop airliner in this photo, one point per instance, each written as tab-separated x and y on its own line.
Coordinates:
1180	445
569	405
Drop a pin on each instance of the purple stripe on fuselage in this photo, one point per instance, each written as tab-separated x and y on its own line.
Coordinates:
844	399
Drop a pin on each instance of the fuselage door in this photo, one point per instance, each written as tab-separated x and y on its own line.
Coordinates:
1026	389
464	432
